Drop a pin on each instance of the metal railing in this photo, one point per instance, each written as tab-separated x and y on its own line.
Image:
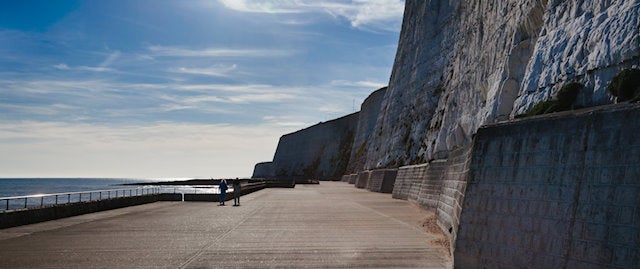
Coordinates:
42	200
186	189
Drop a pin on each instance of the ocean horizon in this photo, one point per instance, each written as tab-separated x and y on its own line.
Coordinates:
16	186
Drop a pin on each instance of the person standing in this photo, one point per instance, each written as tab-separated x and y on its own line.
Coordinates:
223	191
236	192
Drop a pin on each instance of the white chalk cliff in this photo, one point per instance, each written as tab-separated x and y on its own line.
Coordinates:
461	64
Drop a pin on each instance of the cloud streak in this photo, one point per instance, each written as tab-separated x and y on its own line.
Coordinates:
214	71
169	51
367	14
63	66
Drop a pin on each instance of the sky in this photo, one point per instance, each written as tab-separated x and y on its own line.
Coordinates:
180	89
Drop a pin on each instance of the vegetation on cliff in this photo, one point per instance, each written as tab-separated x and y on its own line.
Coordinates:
626	85
565	98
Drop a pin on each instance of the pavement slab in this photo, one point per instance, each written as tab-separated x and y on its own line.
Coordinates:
330	225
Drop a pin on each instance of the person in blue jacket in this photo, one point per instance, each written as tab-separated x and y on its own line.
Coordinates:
223	191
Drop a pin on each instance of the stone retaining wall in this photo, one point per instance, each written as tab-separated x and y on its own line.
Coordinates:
353	178
438	185
362	180
452	193
559	191
406	177
382	180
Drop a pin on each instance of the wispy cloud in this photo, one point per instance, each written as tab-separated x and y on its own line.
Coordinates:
214	71
168	51
377	14
233	94
366	84
111	58
102	67
63	66
262	6
286	121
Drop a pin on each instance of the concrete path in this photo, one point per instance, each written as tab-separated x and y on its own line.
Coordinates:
331	225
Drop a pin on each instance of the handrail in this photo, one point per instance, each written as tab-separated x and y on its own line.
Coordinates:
79	195
65	193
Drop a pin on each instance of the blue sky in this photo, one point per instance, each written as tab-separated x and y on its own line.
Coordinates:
178	89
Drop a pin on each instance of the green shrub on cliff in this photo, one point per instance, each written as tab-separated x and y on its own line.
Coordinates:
567	95
543	108
626	85
565	98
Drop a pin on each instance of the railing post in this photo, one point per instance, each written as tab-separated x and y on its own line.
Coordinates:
42	201
69	198
7	204
25	202
79	197
56	199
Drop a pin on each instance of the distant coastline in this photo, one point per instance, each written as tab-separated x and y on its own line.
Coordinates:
189	182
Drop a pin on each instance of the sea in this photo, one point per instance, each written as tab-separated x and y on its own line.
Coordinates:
12	187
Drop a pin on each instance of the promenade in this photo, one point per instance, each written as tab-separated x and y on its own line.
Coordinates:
331	225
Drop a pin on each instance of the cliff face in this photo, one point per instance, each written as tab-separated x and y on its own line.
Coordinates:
462	64
319	152
367	118
586	41
263	170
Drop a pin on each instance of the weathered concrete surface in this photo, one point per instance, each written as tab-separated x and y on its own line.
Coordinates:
382	180
21	217
331	225
363	179
557	191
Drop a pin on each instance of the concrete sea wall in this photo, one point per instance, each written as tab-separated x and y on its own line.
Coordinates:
353	178
382	180
560	191
363	179
28	216
556	191
439	185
